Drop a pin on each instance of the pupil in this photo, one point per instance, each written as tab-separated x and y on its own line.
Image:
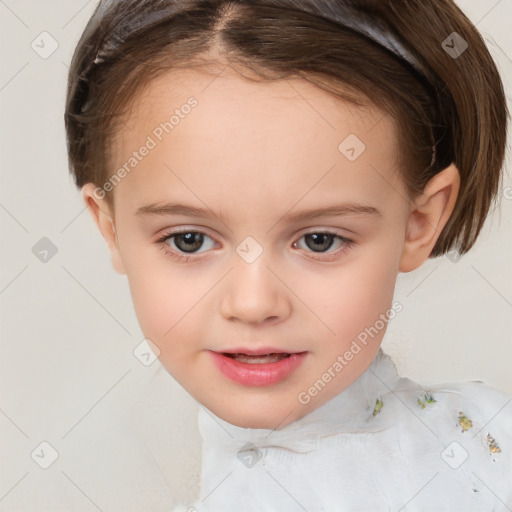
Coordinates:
320	241
191	241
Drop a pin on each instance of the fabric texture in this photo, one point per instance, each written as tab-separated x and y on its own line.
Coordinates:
383	444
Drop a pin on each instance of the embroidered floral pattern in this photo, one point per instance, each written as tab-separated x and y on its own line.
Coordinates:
464	422
427	399
493	446
378	407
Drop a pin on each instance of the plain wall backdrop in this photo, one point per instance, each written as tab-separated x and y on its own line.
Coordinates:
121	435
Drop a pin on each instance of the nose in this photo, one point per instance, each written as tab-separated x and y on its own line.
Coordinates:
254	295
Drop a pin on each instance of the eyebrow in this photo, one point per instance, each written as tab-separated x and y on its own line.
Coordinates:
309	214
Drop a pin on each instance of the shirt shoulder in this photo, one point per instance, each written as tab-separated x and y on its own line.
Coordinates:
470	406
462	433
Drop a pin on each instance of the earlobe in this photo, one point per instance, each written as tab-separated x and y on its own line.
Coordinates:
100	212
430	212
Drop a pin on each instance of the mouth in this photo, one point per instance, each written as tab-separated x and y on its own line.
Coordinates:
257	359
262	367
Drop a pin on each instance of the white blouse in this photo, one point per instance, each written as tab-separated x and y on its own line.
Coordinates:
383	444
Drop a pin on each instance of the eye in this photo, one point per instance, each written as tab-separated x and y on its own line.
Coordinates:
185	241
321	242
179	244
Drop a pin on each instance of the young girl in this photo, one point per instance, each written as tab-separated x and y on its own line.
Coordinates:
262	171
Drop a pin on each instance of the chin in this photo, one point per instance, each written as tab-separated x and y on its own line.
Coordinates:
251	421
258	417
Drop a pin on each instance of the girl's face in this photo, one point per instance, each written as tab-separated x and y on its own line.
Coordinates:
293	221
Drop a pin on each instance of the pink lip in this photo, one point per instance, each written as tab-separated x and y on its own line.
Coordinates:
257	374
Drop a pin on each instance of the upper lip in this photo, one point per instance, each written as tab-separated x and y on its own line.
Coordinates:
256	351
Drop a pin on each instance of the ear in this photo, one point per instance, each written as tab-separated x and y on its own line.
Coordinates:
94	199
431	211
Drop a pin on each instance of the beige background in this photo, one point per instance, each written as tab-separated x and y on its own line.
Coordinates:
68	375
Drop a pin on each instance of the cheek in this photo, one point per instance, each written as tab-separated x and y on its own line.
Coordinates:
359	295
161	297
166	315
156	306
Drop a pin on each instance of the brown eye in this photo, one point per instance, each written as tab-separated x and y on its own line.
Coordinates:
319	242
188	242
186	245
330	244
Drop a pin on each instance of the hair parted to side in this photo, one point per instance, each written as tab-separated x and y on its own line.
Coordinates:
460	110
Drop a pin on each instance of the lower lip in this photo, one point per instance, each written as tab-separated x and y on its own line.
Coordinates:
256	374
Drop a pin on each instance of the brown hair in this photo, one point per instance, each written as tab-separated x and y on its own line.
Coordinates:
458	109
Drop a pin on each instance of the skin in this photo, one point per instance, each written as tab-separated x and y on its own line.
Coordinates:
254	152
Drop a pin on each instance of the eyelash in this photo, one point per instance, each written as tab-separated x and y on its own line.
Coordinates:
347	243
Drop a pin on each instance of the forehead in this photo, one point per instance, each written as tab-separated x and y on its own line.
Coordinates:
244	138
221	90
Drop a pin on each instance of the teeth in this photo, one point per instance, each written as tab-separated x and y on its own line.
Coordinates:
261	359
